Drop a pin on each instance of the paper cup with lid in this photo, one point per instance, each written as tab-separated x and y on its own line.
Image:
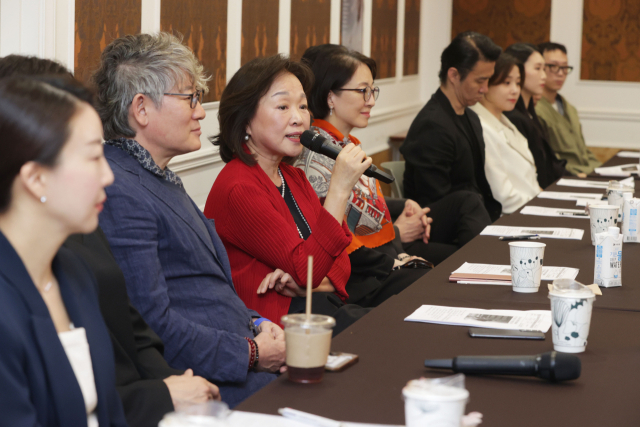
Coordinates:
615	193
602	217
208	414
526	265
571	307
435	402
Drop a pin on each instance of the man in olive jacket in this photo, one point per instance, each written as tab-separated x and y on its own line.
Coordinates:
559	117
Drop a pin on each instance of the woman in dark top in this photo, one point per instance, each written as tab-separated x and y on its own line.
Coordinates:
524	117
56	363
341	100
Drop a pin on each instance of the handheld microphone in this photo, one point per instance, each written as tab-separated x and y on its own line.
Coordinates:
319	144
551	366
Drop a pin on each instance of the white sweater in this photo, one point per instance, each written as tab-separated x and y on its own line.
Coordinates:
509	164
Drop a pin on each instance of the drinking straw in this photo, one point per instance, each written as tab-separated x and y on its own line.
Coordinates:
309	286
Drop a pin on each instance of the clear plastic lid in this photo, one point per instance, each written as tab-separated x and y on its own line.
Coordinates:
617	185
571	288
441	389
315	321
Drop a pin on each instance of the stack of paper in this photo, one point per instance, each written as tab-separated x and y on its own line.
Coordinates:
533	320
622	170
629	154
564	213
491	274
551	233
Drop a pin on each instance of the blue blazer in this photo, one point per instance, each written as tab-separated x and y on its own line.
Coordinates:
178	277
37	384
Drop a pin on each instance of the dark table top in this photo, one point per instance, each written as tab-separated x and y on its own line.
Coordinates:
392	351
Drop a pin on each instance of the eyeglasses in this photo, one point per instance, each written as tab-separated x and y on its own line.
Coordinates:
366	92
194	97
555	69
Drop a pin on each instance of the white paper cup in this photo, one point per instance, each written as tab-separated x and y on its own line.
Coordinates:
526	265
439	405
571	317
615	197
602	217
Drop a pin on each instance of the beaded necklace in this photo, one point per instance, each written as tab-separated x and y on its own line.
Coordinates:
296	205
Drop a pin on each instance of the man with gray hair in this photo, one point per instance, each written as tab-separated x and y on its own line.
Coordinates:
150	89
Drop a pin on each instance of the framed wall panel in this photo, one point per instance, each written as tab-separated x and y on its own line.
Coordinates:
611	40
384	30
203	26
259	29
310	25
411	37
505	21
98	23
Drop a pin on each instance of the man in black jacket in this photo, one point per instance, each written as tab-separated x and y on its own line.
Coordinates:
444	148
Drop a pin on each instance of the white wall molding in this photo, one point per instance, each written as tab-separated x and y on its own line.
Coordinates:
610	115
393	112
284	26
197	159
151	12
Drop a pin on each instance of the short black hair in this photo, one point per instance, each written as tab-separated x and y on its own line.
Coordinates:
332	66
240	99
19	65
522	51
464	51
504	65
551	46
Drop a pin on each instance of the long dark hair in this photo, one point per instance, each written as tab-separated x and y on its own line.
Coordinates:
239	101
333	66
34	126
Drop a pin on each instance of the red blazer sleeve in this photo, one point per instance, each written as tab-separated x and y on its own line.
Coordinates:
255	224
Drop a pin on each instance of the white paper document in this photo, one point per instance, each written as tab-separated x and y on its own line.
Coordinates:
629	154
250	419
622	170
551	233
503	272
533	320
582	183
559	195
559	212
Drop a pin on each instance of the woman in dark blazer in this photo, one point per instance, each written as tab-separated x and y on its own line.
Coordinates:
56	363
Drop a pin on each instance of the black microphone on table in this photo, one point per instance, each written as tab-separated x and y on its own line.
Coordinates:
319	144
551	366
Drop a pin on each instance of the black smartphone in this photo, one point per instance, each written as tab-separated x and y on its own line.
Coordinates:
505	333
417	263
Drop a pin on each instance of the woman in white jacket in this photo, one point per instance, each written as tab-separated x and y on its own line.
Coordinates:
509	164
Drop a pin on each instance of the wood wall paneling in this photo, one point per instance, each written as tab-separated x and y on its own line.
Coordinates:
384	30
411	37
98	23
203	26
611	40
259	29
310	25
505	21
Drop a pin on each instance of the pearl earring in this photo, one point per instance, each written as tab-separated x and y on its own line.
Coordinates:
43	199
246	137
330	111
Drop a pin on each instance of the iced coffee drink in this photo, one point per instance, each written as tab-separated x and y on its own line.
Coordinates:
308	345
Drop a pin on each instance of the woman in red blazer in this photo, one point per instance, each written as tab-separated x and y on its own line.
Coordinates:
268	215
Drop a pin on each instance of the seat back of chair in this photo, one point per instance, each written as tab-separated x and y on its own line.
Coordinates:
397	170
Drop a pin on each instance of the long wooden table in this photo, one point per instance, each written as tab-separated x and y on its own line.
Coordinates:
392	351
